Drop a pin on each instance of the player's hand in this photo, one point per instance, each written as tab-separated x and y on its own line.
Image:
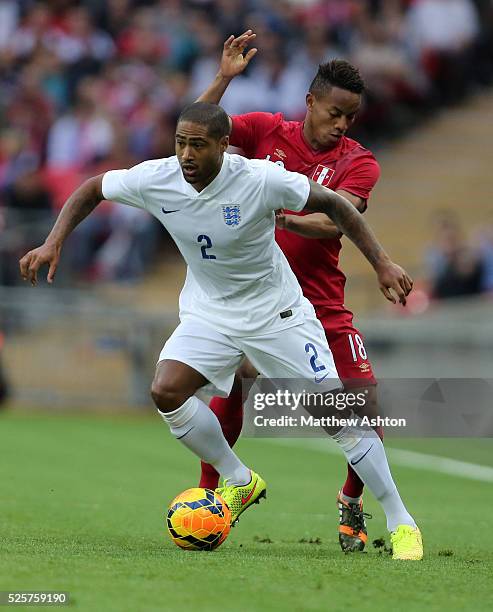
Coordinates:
32	261
233	62
281	219
394	280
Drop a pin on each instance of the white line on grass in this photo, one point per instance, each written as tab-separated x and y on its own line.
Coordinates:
404	458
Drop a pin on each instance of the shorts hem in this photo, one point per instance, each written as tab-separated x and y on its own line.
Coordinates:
218	388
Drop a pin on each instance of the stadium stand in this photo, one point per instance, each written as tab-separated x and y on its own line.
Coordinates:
87	86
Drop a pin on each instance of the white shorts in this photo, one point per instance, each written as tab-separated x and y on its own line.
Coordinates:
299	352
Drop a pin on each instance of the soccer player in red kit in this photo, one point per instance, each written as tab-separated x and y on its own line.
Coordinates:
318	148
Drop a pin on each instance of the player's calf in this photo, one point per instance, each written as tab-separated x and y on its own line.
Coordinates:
197	428
229	412
192	422
352	490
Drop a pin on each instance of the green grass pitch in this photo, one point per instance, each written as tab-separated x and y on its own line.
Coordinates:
82	505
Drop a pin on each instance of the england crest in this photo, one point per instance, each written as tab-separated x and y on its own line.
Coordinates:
231	215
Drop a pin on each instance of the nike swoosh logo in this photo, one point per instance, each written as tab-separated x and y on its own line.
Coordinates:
319	380
185	434
246	499
362	457
167	212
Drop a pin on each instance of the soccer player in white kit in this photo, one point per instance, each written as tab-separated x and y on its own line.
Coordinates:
240	297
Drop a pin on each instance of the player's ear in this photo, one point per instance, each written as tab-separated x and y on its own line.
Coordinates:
224	143
309	101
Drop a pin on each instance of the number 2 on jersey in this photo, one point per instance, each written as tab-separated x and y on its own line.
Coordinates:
204	247
313	359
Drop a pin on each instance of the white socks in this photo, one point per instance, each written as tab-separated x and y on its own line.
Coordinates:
197	427
366	455
350	500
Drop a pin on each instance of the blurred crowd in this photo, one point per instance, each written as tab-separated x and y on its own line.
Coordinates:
459	265
91	85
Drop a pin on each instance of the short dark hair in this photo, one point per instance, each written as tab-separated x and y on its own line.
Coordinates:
212	116
337	73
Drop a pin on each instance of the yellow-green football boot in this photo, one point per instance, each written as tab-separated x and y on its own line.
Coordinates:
240	497
407	544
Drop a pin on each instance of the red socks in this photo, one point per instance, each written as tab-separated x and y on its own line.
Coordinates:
229	412
353	487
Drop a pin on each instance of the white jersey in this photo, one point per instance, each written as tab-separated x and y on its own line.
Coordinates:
238	279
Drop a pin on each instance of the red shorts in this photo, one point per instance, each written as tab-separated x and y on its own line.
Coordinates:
346	343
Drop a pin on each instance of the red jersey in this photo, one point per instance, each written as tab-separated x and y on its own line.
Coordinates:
348	166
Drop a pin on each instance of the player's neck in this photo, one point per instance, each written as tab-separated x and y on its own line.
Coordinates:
207	181
311	141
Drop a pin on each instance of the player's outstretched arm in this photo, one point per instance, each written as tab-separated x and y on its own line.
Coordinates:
316	225
233	63
391	277
76	208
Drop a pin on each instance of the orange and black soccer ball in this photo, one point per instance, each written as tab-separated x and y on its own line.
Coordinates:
198	519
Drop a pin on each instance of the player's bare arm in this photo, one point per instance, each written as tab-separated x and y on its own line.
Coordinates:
317	225
233	63
82	202
391	277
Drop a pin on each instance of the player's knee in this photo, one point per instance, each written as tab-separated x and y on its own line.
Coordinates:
167	394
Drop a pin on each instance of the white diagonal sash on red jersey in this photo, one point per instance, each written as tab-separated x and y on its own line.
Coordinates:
323	175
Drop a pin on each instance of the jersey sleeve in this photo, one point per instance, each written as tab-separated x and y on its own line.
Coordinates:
124	186
360	178
284	189
248	130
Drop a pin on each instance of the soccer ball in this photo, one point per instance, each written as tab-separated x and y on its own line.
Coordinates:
198	519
